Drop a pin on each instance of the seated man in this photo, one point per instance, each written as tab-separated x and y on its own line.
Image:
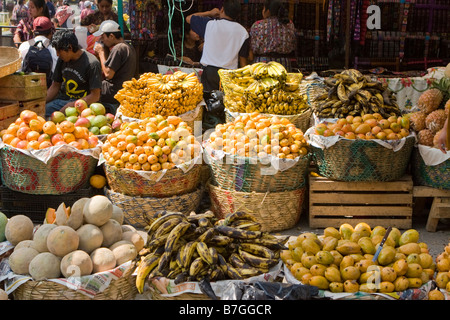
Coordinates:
77	75
117	66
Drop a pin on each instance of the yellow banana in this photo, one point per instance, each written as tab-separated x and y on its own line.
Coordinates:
145	267
204	253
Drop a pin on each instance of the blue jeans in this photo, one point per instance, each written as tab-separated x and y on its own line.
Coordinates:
55	105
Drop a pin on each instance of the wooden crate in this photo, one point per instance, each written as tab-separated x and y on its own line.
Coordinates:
8	109
440	207
23	87
37	106
12	109
332	203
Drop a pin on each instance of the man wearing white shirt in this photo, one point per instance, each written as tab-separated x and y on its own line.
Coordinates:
43	29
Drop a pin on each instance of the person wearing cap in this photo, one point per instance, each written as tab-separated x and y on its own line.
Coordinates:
117	66
78	74
87	10
43	30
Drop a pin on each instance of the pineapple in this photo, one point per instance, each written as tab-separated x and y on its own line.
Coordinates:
426	137
417	120
435	139
447	107
430	100
435	120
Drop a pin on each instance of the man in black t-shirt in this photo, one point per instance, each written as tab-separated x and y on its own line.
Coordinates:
118	66
77	74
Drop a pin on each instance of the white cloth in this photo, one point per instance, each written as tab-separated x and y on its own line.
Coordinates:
25	46
223	40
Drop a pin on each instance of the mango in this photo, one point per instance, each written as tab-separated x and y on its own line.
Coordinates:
348	248
333	275
399	256
413	258
386	287
356	257
332	232
350	273
376	239
285	255
371	276
310	245
386	256
363	228
366	245
442	279
329	243
336	287
395	234
367	287
306	235
346	262
388	274
401	284
318	270
297	253
436	295
430	273
306	278
337	257
401	267
356	236
364	264
409	236
308	261
414	283
424	277
346	230
351	286
378	230
299	272
409	248
319	281
414	270
324	257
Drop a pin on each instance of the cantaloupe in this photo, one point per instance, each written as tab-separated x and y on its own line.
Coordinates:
20	259
45	266
24	244
135	238
143	234
50	216
124	252
103	259
98	210
3	221
117	214
19	228
112	232
127	227
40	237
91	237
62	240
71	216
118	243
76	264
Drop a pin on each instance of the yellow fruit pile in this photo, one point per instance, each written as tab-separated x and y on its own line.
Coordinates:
342	260
153	144
155	93
257	135
443	269
368	126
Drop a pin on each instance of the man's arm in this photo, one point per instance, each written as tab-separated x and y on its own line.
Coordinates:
107	71
53	91
214	13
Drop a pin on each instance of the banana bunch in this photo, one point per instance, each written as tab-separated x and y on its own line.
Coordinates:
351	93
198	246
263	87
157	94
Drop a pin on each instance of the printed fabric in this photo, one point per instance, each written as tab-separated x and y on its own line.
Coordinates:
270	36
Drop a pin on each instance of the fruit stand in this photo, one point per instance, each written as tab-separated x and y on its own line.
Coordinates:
127	205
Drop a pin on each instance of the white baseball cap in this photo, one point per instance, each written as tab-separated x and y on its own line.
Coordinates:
107	26
87	3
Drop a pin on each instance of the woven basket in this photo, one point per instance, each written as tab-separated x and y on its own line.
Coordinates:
243	174
431	176
66	172
301	121
123	288
362	160
138	210
174	182
276	211
10	61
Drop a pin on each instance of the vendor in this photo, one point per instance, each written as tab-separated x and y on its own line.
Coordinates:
190	49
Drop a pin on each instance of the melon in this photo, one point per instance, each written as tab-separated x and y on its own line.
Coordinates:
117	214
76	263
3	295
91	237
3	221
62	240
40	237
19	228
143	234
127	227
98	210
103	259
50	216
45	266
124	252
112	232
135	238
24	244
71	216
20	259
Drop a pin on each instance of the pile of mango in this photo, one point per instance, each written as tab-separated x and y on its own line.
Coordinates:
342	260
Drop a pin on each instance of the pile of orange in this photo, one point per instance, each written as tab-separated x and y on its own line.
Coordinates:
153	144
257	135
31	131
368	126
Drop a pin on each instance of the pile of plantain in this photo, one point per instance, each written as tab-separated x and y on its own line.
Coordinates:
199	246
350	93
263	87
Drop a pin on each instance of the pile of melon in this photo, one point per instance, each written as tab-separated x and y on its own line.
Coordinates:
87	238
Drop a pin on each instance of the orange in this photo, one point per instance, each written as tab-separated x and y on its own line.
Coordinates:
36	125
49	127
67	126
33	136
68	137
7	137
